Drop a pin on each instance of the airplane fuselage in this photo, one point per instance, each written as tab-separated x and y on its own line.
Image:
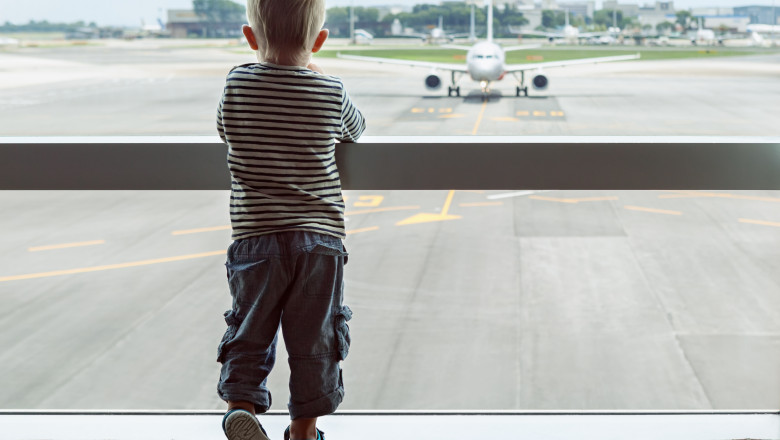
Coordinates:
485	62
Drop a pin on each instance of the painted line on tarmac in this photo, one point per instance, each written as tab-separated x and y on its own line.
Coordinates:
195	231
111	266
653	210
760	222
223	228
573	200
515	194
685	194
358	231
134	263
468	205
392	208
65	245
479	118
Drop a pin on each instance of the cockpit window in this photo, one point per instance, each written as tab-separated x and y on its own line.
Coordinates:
480	56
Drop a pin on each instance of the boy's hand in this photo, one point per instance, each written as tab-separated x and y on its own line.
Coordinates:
315	68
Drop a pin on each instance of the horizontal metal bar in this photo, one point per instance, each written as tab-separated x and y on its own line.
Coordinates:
407	163
161	412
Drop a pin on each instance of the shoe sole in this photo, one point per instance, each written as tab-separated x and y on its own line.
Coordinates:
243	426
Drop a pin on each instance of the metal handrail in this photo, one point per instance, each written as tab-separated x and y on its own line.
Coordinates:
407	163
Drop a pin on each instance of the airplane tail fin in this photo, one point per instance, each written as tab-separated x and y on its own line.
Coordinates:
490	21
472	34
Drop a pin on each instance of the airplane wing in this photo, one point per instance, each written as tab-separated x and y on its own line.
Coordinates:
593	34
534	66
455	46
536	33
521	47
460	35
428	64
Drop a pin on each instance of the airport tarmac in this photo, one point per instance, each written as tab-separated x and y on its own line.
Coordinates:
506	300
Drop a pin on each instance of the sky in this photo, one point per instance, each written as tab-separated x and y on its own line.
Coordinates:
132	12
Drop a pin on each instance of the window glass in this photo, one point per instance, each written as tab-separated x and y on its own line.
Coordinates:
506	299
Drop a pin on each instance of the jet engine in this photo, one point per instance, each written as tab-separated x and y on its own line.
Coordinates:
540	82
433	82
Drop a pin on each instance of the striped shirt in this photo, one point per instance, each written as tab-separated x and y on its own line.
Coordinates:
281	124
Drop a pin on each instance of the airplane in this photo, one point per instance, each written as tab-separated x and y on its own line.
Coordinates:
5	41
154	30
571	34
437	35
485	63
363	36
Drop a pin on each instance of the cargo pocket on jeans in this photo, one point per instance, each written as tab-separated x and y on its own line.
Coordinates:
324	270
343	338
233	322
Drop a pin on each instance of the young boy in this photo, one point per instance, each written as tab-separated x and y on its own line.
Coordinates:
280	118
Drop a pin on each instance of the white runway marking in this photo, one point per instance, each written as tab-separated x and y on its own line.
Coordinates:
516	194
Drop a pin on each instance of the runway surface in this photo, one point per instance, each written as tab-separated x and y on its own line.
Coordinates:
505	300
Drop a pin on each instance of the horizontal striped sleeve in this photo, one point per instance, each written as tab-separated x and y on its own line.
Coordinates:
220	128
352	122
281	124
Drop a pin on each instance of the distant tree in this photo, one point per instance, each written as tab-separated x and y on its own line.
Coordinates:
683	18
604	17
664	27
337	20
503	19
548	18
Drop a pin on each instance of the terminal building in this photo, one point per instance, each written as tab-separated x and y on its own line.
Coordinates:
184	23
759	14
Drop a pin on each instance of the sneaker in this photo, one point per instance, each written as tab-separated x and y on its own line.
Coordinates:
320	434
239	424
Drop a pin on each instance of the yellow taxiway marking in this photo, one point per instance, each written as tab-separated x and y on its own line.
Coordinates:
577	200
479	118
657	211
195	231
452	116
369	201
445	110
466	205
428	217
540	113
760	222
523	113
65	245
682	194
391	208
111	266
556	113
357	231
504	119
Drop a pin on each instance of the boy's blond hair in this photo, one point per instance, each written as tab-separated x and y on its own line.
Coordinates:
285	25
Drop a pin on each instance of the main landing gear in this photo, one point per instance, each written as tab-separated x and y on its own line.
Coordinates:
453	88
521	87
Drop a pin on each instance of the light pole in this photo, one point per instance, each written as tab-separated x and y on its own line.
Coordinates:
352	23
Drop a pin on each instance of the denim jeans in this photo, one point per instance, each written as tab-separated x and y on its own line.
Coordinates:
293	279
